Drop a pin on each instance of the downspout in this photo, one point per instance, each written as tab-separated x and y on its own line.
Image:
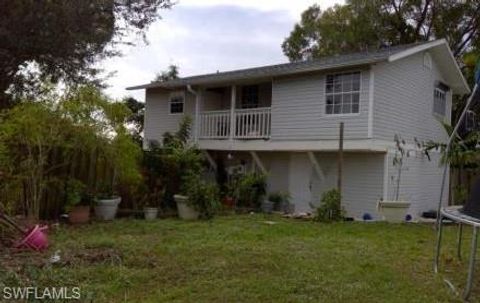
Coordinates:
197	107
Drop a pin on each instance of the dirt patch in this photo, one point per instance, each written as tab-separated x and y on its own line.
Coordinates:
91	256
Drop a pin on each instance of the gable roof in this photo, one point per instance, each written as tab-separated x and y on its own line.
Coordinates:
320	64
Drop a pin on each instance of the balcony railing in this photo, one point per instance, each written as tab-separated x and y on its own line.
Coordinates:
249	124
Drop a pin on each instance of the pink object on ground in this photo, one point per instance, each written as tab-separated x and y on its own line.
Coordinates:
35	238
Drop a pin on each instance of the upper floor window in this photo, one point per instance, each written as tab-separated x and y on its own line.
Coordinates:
177	103
470	121
342	93
250	96
440	100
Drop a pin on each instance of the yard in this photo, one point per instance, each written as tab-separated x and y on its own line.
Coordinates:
243	259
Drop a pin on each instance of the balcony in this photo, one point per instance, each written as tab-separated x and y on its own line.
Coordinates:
249	124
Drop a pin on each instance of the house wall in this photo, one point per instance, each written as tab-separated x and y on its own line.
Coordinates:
298	110
293	172
420	182
158	119
362	181
403	100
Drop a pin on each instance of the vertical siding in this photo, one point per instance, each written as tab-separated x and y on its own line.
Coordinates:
298	110
403	100
158	120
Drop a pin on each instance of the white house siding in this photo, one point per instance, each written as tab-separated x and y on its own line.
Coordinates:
362	181
403	100
298	110
293	172
420	182
158	119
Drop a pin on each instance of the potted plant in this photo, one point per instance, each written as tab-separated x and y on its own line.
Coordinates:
250	190
280	200
77	204
150	210
228	200
199	198
395	210
107	201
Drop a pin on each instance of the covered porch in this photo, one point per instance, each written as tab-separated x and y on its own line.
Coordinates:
235	112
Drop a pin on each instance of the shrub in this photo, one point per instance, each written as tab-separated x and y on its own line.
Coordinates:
280	199
203	196
330	208
249	190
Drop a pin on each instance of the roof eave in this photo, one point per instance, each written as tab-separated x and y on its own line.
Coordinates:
187	81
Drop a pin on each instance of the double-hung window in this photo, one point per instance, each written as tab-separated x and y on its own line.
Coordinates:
440	100
342	93
177	102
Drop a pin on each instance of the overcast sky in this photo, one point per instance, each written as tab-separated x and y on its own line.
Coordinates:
203	36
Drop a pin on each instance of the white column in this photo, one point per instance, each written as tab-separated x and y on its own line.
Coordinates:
371	89
196	132
232	112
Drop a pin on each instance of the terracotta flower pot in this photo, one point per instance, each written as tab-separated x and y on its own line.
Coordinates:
79	214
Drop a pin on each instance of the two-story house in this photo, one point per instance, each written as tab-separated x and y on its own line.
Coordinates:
284	120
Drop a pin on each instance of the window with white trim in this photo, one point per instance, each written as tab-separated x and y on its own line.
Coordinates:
470	121
342	93
440	101
177	103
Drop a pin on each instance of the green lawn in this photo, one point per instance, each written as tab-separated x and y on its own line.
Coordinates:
245	259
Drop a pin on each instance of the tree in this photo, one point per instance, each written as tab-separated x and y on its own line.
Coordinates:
136	119
62	40
364	24
39	141
170	74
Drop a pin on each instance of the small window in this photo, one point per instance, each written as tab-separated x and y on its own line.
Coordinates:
471	121
440	102
342	93
250	96
427	61
177	103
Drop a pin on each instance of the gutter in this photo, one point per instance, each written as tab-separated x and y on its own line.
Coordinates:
197	107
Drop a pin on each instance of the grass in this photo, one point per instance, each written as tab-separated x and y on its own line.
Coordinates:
245	259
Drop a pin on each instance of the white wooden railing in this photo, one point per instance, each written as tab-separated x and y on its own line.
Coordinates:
252	123
249	124
214	124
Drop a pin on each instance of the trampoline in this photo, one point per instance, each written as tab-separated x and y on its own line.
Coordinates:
469	214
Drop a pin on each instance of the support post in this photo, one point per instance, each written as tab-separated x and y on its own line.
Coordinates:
471	264
258	162
316	165
340	159
233	122
210	160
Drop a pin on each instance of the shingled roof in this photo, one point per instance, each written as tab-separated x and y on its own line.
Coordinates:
270	71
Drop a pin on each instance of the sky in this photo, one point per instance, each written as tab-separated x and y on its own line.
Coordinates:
204	36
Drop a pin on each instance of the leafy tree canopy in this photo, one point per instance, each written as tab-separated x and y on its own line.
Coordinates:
61	40
169	74
360	25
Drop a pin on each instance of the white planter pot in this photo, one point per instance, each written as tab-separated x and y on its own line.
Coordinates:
150	213
393	211
106	209
184	210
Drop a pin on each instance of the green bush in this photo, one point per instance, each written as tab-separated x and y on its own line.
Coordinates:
202	195
280	199
249	190
330	208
